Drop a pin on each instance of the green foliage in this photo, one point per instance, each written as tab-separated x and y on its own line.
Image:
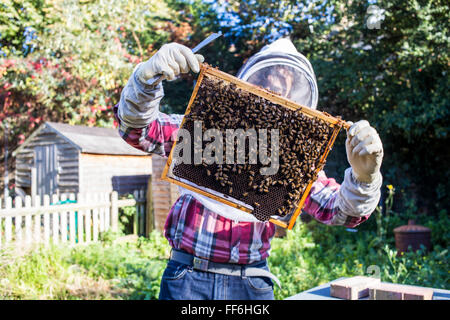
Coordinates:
68	61
314	254
397	78
126	217
45	273
111	269
79	55
17	19
311	254
134	267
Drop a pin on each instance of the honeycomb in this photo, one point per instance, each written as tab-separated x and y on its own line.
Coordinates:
303	139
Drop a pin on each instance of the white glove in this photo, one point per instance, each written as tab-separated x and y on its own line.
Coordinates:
364	151
170	60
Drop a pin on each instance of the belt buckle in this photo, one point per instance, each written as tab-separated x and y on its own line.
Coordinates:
200	264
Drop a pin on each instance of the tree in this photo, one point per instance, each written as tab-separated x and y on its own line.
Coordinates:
76	61
384	61
397	78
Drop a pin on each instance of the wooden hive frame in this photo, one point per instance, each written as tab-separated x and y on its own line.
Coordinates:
335	123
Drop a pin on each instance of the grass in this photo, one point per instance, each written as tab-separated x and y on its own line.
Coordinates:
314	254
311	254
46	273
110	269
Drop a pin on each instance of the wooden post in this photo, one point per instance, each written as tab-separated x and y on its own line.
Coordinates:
101	214
105	198
63	224
55	216
149	216
18	219
8	221
28	221
33	182
95	219
46	220
141	206
114	211
37	221
80	216
136	216
164	194
87	218
72	222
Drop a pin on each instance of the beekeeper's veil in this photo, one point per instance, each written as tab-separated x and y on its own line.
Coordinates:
279	67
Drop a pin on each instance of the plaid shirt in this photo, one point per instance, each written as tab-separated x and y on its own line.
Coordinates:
192	227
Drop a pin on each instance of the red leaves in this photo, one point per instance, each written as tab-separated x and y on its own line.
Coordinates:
21	138
9	63
37	66
179	33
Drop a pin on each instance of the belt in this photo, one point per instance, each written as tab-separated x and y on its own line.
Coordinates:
221	268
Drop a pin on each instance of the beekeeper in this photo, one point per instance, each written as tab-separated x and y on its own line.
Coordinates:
220	252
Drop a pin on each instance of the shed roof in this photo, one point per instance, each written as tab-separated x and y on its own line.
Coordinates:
90	139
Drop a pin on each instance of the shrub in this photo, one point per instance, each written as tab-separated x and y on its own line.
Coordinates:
313	254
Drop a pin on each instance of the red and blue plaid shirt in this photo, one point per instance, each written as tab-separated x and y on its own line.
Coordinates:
192	227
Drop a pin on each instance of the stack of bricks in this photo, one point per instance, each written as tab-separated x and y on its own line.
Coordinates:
352	288
359	287
164	194
390	291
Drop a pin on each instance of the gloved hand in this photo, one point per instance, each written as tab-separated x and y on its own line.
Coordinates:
364	151
170	60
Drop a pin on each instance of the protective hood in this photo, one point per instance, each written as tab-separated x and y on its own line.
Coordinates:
274	61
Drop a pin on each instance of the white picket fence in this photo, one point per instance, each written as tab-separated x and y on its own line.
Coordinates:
55	219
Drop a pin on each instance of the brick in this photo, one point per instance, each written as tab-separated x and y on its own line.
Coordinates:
352	288
391	291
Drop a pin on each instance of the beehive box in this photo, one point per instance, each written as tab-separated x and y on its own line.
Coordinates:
223	102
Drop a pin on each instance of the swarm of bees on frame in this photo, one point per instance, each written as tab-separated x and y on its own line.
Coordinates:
302	142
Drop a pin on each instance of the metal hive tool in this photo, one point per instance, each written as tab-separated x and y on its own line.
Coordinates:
218	95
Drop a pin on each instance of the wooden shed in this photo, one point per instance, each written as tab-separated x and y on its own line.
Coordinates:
164	194
61	158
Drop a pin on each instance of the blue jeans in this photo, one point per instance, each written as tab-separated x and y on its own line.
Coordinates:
182	282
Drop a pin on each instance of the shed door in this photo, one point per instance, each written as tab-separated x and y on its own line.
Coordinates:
46	169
